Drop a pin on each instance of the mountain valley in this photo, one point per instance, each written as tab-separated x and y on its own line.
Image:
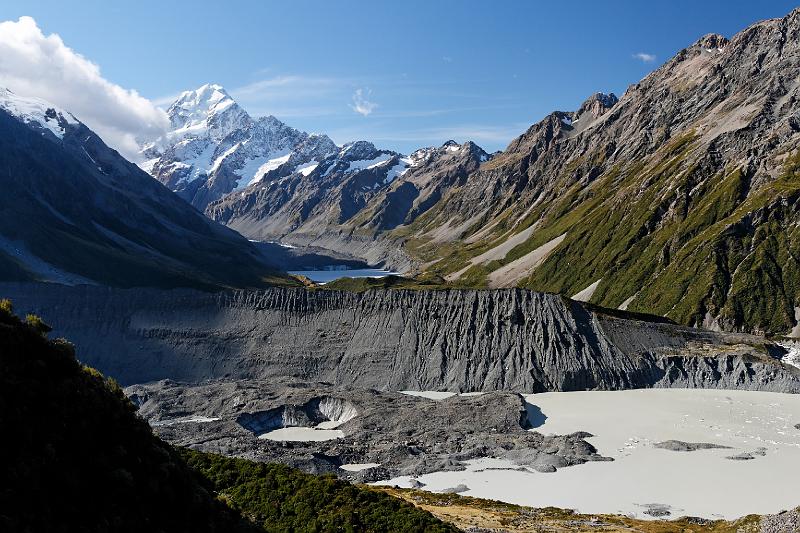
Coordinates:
692	173
596	328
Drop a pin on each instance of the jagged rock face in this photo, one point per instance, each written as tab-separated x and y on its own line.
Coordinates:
348	201
680	199
431	173
332	190
395	340
594	107
402	435
72	210
214	147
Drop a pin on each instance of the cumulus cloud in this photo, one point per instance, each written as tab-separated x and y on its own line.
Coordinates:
361	105
34	64
644	58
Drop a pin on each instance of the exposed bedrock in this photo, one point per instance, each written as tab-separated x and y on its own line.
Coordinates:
458	340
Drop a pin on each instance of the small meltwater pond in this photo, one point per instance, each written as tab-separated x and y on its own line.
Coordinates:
753	466
322	431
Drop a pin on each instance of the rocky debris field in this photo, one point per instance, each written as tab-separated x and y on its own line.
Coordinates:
384	434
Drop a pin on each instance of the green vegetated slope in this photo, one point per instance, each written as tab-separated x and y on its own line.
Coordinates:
76	458
386	282
280	498
726	250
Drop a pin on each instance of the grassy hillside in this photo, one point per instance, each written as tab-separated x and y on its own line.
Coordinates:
387	282
76	458
489	515
680	199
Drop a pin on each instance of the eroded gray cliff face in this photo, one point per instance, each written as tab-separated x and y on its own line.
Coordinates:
455	340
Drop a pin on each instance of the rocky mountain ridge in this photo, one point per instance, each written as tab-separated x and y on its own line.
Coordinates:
350	200
679	198
271	182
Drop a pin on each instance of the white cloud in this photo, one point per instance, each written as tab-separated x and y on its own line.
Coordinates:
361	105
292	95
285	85
644	58
32	64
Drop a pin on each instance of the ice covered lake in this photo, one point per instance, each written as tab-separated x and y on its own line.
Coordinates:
758	429
326	276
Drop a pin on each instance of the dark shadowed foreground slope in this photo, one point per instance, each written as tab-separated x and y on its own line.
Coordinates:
76	457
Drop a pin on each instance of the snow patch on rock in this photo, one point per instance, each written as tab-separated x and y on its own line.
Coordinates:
37	112
792	356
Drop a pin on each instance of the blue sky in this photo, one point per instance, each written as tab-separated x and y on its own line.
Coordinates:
401	74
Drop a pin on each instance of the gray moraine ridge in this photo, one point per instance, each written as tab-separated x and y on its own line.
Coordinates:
457	340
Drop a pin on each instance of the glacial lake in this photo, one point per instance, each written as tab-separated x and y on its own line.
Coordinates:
755	473
326	276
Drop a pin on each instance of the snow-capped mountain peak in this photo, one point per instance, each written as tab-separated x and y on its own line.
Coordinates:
37	112
193	107
208	111
215	147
